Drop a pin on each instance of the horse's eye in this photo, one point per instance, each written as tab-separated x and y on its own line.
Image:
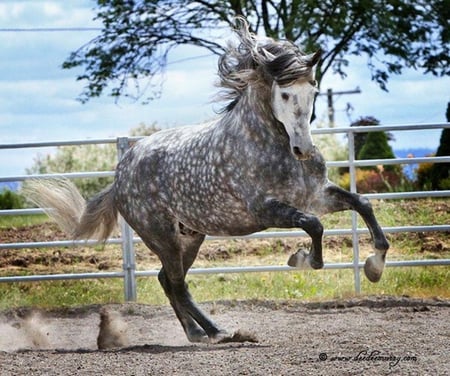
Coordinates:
285	96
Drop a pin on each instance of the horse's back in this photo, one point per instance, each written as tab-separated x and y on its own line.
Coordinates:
179	174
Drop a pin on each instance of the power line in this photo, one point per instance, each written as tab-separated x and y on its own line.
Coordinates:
47	29
73	29
182	60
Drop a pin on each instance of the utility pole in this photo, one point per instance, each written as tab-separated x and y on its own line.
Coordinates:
330	93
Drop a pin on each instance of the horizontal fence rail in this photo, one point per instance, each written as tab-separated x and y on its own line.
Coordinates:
256	235
127	240
216	270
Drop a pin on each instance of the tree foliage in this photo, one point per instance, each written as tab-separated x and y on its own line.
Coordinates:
137	35
440	172
79	158
436	176
376	147
83	158
360	137
10	200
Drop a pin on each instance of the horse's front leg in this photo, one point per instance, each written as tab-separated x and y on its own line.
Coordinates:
273	213
337	199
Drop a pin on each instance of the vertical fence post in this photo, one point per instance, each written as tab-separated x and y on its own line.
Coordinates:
129	263
355	237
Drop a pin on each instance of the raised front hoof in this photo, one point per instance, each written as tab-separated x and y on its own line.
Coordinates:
302	260
373	268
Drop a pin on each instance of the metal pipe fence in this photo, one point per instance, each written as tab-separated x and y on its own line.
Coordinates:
127	239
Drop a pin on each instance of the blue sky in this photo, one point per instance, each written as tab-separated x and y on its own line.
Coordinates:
38	98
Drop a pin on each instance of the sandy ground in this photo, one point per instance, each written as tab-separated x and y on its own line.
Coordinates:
376	336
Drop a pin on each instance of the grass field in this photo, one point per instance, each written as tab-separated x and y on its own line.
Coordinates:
301	285
21	220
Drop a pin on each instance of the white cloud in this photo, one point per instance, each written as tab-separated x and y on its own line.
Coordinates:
38	98
39	14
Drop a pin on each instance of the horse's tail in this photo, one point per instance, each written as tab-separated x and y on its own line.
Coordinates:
61	200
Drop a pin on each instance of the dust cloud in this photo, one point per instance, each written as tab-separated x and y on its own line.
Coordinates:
28	332
33	331
113	330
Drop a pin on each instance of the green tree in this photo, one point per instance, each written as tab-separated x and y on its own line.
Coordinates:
440	172
376	147
137	36
380	178
81	158
144	130
361	137
10	200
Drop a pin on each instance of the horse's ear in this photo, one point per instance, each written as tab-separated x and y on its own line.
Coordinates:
314	58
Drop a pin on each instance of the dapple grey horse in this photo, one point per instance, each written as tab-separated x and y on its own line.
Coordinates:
253	168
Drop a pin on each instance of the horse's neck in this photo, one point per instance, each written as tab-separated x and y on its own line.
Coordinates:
253	114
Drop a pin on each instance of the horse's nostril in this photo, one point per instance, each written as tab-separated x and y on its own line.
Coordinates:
297	152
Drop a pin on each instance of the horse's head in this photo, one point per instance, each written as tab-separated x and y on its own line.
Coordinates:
280	70
292	102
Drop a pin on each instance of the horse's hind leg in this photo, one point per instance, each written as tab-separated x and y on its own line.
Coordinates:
193	331
338	199
177	253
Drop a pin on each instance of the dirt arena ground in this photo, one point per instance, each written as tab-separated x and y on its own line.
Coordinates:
373	336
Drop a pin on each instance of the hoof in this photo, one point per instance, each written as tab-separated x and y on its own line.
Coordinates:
373	268
299	260
197	335
302	260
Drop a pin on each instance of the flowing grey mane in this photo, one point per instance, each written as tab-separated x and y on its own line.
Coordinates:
257	59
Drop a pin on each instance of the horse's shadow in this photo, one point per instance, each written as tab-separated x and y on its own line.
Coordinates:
155	349
160	349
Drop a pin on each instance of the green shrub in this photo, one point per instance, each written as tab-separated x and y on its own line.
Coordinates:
332	150
377	147
85	158
10	200
79	159
423	173
440	172
370	181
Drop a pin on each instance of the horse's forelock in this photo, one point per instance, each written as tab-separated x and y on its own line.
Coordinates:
259	59
287	68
